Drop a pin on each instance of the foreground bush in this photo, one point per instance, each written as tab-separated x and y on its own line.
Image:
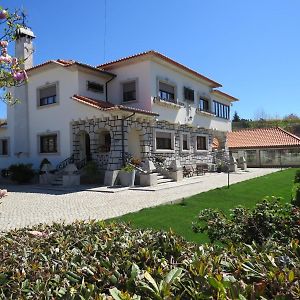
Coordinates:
112	261
268	220
21	173
296	194
297	176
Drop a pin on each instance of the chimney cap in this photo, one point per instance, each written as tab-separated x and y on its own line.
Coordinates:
24	32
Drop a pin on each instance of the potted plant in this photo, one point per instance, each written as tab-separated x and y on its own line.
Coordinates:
127	175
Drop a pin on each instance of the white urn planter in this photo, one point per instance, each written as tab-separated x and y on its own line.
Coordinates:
127	178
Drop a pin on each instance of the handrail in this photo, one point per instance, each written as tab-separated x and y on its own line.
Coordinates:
65	162
80	164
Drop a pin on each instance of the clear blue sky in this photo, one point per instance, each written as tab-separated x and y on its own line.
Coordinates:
251	47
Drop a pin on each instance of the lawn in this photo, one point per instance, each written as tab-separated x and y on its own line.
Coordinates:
179	217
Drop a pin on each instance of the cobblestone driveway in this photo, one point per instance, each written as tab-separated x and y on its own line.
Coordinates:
28	205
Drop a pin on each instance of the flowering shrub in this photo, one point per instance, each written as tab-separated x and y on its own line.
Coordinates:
12	72
269	220
95	260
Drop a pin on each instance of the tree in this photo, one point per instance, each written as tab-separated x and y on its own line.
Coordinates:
236	117
12	72
291	117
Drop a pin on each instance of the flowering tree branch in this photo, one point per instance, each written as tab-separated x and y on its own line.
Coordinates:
12	71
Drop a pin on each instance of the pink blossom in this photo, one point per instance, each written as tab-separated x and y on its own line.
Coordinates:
4	44
14	61
19	76
3	14
38	233
3	193
5	58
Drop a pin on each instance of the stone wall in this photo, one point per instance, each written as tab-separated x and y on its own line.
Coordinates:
112	160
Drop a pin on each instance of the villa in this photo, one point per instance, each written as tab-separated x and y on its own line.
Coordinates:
144	106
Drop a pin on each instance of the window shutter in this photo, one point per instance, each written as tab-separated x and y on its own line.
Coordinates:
166	87
48	91
129	86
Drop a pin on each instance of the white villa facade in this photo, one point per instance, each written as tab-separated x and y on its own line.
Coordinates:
145	105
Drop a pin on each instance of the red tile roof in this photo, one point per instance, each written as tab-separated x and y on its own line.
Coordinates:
163	57
262	138
231	98
68	63
107	106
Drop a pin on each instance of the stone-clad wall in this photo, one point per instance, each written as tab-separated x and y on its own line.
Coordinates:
113	160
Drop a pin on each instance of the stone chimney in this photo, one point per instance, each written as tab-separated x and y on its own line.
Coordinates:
19	111
24	46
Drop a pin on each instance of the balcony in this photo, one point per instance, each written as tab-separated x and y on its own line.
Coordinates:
167	102
205	112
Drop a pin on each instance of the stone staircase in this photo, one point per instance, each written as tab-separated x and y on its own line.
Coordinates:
162	178
58	180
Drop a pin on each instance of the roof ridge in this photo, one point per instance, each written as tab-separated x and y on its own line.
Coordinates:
289	133
166	58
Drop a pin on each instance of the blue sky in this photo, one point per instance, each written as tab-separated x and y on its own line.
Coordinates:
251	47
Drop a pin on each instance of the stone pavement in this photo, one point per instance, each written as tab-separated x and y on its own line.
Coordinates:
30	205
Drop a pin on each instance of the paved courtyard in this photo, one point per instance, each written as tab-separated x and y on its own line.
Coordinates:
30	205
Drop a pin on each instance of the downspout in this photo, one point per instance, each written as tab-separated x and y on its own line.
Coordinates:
106	96
123	136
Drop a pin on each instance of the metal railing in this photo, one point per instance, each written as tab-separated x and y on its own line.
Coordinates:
65	162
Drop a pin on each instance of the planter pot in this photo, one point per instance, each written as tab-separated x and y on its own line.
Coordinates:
127	178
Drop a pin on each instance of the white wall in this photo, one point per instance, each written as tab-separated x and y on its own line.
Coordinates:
139	71
83	77
188	113
56	117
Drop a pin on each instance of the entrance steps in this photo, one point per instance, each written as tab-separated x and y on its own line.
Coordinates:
161	179
58	181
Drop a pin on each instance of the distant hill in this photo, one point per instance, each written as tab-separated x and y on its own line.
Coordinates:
291	125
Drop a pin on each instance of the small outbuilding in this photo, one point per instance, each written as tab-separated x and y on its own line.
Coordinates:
265	147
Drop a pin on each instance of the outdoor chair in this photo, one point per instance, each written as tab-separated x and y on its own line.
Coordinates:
201	169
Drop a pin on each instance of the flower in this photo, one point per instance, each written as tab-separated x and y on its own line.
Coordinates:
3	14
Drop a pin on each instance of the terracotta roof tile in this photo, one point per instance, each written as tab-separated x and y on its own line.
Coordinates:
68	63
262	138
231	98
165	58
107	106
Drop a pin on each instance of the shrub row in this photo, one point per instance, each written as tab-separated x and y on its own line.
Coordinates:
96	260
270	219
296	190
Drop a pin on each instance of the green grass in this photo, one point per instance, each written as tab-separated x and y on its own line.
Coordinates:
179	217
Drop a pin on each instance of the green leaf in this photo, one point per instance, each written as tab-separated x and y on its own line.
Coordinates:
115	293
173	275
291	276
134	270
151	281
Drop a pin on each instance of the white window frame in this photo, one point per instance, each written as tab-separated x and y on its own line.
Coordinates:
8	147
207	143
48	84
171	83
188	142
136	80
172	150
42	134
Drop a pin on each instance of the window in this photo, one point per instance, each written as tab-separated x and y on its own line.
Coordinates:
48	143
4	147
201	142
164	140
204	105
166	92
188	94
104	141
185	141
221	110
129	91
94	87
47	95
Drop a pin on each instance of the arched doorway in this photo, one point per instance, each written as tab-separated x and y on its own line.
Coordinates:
84	146
134	143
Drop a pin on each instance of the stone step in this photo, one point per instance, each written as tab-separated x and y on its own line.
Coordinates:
165	180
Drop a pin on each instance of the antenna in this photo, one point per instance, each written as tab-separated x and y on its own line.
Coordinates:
104	41
24	17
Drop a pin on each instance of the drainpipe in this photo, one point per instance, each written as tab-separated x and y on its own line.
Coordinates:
123	136
106	96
